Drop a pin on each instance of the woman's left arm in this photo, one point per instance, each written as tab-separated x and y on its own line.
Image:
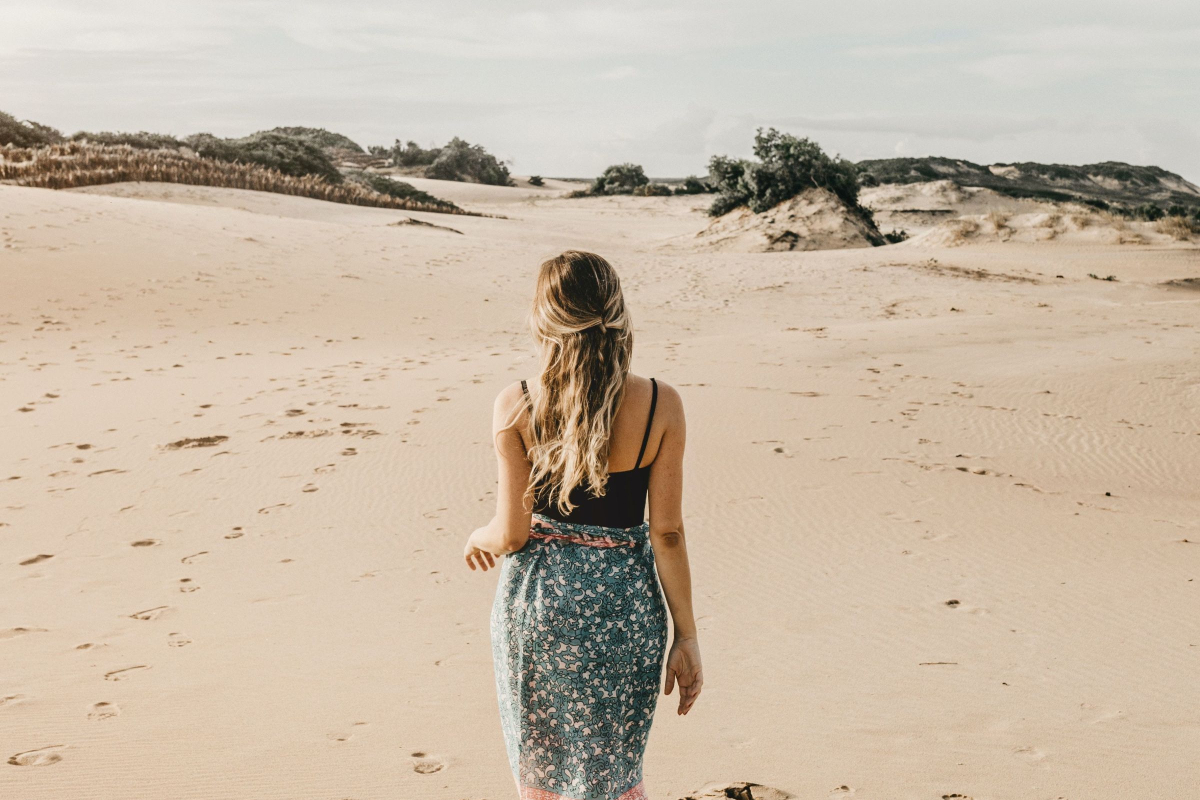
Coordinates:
509	529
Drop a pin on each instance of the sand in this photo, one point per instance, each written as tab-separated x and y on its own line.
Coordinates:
941	502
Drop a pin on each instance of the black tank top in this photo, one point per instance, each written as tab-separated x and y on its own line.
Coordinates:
623	505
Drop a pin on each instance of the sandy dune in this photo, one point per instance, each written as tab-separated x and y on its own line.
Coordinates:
942	502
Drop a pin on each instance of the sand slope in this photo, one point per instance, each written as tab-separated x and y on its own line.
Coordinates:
941	502
812	220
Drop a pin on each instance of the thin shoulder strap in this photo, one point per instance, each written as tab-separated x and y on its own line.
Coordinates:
649	420
525	389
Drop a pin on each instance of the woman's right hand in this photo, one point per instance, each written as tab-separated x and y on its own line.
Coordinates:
683	667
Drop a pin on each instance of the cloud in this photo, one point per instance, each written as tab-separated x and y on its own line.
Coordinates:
619	73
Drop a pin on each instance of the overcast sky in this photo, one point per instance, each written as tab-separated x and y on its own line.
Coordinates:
565	88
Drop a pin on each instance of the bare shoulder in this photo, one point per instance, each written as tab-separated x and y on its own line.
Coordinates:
670	403
509	396
509	405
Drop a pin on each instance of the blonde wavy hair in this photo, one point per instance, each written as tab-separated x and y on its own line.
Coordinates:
584	337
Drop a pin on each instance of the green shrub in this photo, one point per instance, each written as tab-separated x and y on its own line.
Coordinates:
142	140
1177	210
287	154
693	185
895	236
653	190
786	167
620	179
536	180
460	161
412	154
326	140
1149	212
393	188
26	134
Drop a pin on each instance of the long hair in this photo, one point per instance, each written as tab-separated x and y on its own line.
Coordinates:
585	341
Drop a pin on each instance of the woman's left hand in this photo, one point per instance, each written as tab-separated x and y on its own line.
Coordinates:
473	555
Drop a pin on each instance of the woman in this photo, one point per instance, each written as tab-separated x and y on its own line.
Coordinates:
578	624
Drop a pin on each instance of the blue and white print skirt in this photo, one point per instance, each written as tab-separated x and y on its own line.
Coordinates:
579	631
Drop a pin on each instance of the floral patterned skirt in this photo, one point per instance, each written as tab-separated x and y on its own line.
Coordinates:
579	631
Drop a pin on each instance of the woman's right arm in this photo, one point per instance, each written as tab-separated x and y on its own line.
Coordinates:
670	550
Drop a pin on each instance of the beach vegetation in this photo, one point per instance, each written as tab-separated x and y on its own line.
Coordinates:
26	133
785	167
653	190
72	164
281	152
142	140
693	185
620	179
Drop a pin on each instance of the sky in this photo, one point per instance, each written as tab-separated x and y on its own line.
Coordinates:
566	88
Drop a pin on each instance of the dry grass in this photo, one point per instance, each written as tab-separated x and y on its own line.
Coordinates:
964	228
65	166
936	267
998	219
1179	228
1112	220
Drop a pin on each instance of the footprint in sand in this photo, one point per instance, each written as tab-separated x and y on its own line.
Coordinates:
12	633
236	534
425	764
103	710
144	543
124	672
1030	754
11	699
203	441
186	585
741	790
346	735
39	557
192	558
150	613
177	640
42	757
269	509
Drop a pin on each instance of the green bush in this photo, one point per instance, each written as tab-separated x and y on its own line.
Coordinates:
693	185
142	140
393	188
620	179
536	180
653	190
895	236
287	154
786	167
412	154
1148	211
1177	210
26	134
326	140
460	161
